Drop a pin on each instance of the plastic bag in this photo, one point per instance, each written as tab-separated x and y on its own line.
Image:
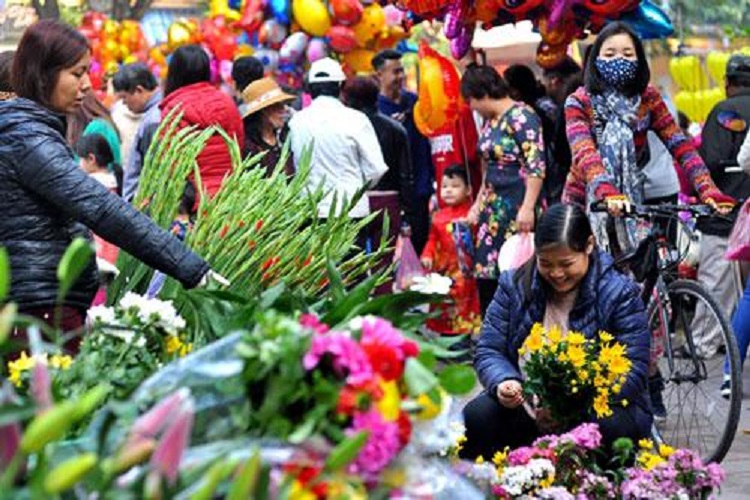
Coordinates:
516	251
407	262
738	247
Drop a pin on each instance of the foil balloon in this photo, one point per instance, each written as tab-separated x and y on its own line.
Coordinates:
649	21
519	9
312	16
359	61
428	9
341	39
279	10
453	21
391	37
549	56
269	58
225	46
272	33
346	12
252	17
608	8
316	49
371	24
438	97
180	33
293	48
393	16
460	45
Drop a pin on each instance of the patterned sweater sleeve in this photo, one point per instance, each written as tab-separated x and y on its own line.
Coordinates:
579	129
527	132
679	145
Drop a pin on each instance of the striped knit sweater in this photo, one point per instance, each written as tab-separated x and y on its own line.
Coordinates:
653	115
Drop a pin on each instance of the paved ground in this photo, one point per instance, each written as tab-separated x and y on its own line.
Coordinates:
737	462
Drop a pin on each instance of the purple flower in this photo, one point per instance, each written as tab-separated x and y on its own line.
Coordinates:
349	359
381	447
586	436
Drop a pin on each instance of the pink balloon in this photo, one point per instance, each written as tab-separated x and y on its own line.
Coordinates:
316	49
393	15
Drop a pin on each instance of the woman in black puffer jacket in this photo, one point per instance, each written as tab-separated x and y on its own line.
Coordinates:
46	200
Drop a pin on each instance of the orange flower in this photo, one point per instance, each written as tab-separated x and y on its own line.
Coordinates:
259	225
224	231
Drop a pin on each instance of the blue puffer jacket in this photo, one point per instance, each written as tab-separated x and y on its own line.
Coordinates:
606	300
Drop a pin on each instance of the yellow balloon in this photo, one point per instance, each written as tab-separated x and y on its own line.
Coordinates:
717	66
359	61
371	24
178	34
243	50
312	16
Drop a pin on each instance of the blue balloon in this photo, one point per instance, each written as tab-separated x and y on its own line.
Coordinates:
406	47
280	10
649	21
235	4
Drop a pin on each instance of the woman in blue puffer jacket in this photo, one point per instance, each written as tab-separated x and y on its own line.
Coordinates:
573	285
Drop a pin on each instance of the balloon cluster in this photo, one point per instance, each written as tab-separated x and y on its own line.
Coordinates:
111	43
697	97
284	34
559	21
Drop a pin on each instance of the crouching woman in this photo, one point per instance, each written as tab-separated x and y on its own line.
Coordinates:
572	285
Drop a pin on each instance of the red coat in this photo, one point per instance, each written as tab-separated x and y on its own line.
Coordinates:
204	105
462	314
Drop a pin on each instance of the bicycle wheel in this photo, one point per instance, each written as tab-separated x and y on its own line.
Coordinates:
698	417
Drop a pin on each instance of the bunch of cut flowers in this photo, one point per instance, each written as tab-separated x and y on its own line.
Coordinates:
364	378
574	465
125	344
565	373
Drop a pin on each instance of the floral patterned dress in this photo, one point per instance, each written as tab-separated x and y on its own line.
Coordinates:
513	150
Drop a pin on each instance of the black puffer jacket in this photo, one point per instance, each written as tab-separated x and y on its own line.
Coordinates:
46	200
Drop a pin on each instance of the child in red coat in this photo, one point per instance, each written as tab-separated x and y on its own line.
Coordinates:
449	251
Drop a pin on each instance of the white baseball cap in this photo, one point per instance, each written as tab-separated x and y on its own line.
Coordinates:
325	70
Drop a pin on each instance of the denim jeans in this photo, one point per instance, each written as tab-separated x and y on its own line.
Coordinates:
741	327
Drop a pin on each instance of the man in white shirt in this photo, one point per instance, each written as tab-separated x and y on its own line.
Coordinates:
346	155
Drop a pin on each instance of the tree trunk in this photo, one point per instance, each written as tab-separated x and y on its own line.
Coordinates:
47	10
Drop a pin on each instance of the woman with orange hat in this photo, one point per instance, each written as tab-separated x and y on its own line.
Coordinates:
266	114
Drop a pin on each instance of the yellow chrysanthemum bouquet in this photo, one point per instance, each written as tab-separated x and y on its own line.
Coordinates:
572	377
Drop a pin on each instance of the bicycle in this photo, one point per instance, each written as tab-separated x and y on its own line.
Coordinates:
698	416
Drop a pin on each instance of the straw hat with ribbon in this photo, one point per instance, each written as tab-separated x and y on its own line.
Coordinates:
263	93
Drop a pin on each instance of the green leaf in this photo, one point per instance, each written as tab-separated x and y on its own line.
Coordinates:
10	414
346	451
75	259
303	431
428	359
4	274
419	379
458	379
244	484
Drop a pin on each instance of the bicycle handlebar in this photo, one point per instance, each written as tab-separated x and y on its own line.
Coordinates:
666	209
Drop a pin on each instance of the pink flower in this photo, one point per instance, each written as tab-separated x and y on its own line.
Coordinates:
379	331
381	447
152	422
40	387
523	455
586	436
168	453
312	322
349	360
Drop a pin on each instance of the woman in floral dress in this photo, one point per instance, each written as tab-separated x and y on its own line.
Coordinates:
512	151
